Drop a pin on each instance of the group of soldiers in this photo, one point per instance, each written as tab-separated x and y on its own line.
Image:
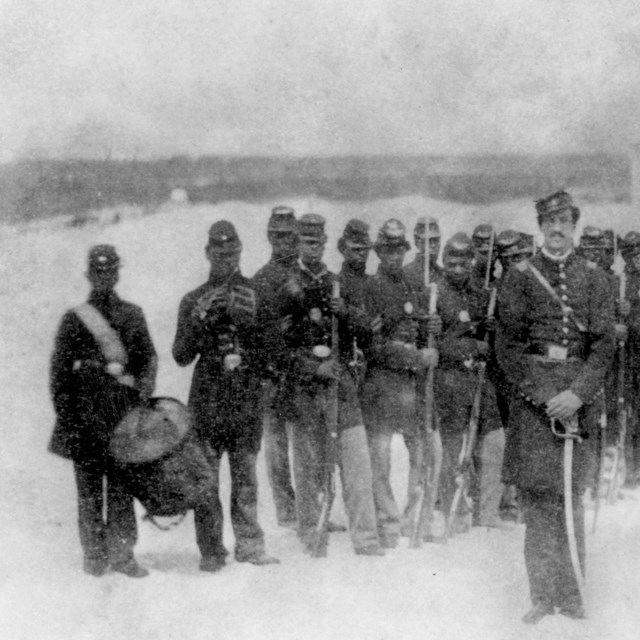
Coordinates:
490	350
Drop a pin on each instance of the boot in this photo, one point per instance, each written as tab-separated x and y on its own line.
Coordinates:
212	563
131	568
259	558
374	550
95	566
539	611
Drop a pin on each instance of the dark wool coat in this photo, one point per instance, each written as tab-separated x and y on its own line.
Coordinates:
305	302
88	401
225	404
462	309
532	322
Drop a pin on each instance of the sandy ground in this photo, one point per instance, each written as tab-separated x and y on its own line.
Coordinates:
474	587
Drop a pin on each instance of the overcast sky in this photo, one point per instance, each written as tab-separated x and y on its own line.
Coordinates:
150	78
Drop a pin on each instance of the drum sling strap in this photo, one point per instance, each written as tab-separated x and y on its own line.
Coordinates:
108	341
566	309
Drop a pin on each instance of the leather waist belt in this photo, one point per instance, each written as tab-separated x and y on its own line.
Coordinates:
547	359
556	352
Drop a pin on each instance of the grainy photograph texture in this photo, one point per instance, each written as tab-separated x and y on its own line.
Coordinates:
320	319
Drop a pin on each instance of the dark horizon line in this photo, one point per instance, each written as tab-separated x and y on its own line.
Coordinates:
351	156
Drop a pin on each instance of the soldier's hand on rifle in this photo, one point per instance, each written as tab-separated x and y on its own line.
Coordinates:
483	348
432	325
376	324
407	331
430	357
488	325
145	388
621	332
338	306
563	405
286	322
624	308
329	370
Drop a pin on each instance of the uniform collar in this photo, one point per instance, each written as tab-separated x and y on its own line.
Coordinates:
555	258
218	282
102	300
316	277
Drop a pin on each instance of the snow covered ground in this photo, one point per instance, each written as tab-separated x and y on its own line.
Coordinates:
474	587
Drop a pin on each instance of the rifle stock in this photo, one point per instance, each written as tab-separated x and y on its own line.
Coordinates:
463	479
428	489
319	547
619	455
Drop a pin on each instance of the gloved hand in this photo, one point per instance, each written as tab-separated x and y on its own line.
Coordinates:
563	405
329	370
210	303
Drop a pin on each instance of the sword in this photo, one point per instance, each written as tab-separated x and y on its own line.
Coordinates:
570	435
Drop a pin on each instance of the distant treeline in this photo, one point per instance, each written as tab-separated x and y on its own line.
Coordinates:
32	189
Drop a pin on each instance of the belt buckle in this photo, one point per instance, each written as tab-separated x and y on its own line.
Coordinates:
556	352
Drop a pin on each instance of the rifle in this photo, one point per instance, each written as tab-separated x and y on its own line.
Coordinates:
427	490
319	545
619	453
463	479
603	457
432	454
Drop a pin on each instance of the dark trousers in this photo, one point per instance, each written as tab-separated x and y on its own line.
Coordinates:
552	581
209	519
108	531
312	462
276	453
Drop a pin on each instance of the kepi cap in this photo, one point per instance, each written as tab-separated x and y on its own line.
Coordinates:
392	234
460	245
283	218
311	226
355	234
223	237
103	258
556	203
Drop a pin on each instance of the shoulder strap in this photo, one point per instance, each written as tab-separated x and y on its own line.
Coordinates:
108	341
552	292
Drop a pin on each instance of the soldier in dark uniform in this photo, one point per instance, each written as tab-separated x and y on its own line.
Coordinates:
217	326
307	307
283	238
395	360
94	382
463	304
630	249
555	343
355	245
597	246
414	271
511	248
